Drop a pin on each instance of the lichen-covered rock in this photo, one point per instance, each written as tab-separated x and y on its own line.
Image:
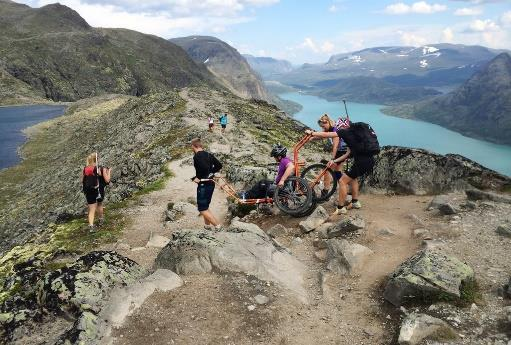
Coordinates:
417	327
277	230
427	275
420	172
243	247
476	194
246	176
504	230
85	284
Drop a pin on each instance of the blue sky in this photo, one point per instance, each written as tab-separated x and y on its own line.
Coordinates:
307	30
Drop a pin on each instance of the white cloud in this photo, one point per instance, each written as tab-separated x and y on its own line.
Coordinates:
505	19
327	47
333	9
421	7
412	39
468	11
486	25
167	19
447	35
309	44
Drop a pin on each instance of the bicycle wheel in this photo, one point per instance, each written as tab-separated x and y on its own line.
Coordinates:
294	197
317	184
308	210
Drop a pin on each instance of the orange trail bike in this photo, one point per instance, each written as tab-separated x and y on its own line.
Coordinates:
321	179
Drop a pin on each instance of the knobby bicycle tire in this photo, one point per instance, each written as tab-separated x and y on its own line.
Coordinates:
294	197
310	174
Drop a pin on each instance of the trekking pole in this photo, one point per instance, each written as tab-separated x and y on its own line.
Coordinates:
346	109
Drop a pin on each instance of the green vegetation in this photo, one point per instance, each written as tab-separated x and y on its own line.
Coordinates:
52	52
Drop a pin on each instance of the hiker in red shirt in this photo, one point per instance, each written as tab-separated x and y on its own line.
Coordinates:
94	180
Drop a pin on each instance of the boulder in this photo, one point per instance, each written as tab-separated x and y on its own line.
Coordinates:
417	327
476	194
402	170
447	209
277	230
318	217
329	230
504	230
86	283
507	289
246	176
345	257
243	247
428	275
437	201
386	232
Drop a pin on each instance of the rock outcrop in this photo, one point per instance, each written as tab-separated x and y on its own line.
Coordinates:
420	172
345	257
318	217
417	327
427	276
243	247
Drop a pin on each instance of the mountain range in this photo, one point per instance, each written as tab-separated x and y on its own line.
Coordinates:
52	52
481	107
268	67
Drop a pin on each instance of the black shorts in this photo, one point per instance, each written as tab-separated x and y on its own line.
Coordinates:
204	194
94	196
224	126
361	166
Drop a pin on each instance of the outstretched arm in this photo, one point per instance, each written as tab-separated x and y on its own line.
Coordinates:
322	134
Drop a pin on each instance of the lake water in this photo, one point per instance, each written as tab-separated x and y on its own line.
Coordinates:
13	120
404	132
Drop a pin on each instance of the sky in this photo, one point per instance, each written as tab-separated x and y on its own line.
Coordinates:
307	31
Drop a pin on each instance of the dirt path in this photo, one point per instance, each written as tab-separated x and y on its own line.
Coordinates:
213	309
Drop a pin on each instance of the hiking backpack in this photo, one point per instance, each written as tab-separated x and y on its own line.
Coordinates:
90	178
361	139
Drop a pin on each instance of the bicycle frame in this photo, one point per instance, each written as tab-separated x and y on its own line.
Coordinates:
298	146
230	191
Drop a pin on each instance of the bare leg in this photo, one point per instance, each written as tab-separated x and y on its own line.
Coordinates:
92	212
100	209
354	188
327	181
343	189
209	218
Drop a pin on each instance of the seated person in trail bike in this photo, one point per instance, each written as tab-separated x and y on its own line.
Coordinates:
362	146
266	188
339	147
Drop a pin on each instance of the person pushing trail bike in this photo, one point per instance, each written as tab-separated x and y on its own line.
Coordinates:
362	146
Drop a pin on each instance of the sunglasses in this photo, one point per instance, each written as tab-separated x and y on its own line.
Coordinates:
322	122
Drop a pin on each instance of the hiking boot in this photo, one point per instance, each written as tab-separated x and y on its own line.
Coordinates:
356	205
338	211
101	222
208	227
92	228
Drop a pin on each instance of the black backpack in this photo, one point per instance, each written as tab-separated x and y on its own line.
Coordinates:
361	139
90	180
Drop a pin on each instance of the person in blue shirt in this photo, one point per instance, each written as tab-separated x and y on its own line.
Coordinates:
223	121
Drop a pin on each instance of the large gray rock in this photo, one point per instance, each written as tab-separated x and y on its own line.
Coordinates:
277	230
504	230
416	171
331	230
426	276
476	194
243	247
447	209
418	327
345	257
85	284
318	217
438	200
246	176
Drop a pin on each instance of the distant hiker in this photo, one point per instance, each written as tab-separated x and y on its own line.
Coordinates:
286	166
339	148
362	146
94	180
211	123
223	121
206	165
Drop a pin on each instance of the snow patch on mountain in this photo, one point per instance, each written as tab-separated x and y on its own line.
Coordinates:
423	63
428	50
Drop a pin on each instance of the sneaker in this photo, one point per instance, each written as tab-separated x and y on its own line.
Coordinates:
208	227
342	210
356	205
92	228
101	221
